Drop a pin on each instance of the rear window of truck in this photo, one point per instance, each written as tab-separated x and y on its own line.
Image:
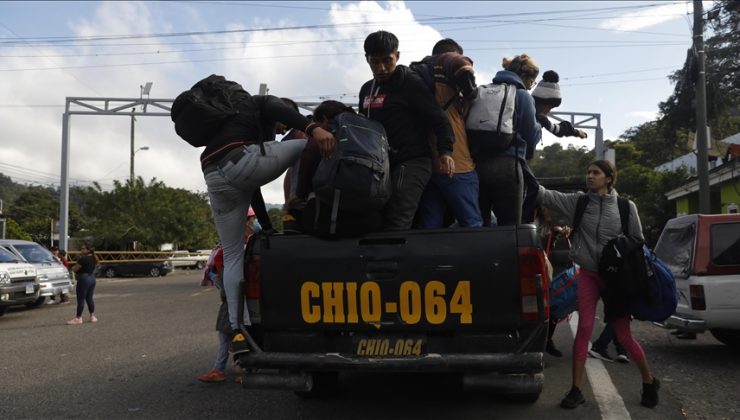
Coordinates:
725	244
675	248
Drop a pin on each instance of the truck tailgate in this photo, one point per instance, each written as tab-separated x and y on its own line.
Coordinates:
432	281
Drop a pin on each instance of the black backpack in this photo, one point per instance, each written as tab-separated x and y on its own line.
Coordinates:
358	171
200	112
622	266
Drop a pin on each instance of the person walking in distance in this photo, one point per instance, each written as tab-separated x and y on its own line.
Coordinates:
62	257
85	269
600	222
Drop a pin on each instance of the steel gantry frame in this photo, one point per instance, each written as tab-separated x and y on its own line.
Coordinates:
124	106
97	106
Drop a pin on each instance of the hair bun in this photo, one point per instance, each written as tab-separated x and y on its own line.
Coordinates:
551	76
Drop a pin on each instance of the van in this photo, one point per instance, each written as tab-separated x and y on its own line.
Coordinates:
18	284
53	277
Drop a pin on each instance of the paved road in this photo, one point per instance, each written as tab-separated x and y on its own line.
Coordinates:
156	335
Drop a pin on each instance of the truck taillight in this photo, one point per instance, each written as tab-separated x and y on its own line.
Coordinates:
698	302
533	283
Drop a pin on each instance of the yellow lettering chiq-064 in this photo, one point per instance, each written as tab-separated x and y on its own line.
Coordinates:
345	302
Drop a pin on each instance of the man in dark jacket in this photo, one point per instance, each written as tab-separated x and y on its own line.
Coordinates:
398	98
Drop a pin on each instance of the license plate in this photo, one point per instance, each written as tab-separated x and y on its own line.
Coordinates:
29	289
389	346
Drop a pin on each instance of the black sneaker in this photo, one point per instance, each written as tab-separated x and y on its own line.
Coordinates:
623	358
238	343
650	393
600	353
573	399
552	350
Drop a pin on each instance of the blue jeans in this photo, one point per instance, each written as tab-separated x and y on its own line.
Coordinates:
459	192
223	351
85	289
230	189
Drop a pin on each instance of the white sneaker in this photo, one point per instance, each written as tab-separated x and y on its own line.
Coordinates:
622	358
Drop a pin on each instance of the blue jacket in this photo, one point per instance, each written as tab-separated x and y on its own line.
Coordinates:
528	130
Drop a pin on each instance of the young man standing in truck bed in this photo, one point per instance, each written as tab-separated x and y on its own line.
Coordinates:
398	98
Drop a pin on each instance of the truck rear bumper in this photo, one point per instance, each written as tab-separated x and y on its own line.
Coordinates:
686	323
502	363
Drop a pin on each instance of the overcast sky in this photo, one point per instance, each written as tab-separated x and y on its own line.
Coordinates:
613	58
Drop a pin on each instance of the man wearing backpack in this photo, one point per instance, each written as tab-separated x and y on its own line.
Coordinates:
453	77
240	156
398	98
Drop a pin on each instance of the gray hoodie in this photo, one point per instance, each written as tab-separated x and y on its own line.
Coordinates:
599	224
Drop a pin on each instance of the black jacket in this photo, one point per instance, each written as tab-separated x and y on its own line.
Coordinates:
407	110
256	121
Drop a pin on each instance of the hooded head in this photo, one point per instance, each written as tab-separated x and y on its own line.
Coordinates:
547	91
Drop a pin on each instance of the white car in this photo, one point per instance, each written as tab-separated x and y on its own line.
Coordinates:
703	252
185	259
53	276
18	284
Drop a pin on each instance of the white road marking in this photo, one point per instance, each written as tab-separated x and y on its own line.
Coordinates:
610	402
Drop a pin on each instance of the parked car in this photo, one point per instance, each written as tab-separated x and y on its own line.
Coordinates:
134	268
53	276
18	284
703	252
186	259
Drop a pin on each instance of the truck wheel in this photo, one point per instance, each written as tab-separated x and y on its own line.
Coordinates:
729	337
154	272
36	303
3	309
324	384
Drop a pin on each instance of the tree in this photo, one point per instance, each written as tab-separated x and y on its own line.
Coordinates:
14	231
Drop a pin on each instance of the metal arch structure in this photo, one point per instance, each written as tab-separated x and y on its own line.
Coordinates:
585	120
97	106
163	107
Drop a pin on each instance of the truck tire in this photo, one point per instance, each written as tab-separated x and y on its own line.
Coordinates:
324	384
36	303
728	337
3	309
154	272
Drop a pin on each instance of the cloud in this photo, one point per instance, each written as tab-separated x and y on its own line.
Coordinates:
644	115
324	62
646	18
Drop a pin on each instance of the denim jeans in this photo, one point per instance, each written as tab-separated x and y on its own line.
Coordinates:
85	289
230	189
409	179
459	193
501	189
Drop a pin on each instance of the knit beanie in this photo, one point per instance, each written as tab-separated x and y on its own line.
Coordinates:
547	90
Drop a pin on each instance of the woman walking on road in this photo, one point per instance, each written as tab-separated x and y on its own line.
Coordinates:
85	269
600	223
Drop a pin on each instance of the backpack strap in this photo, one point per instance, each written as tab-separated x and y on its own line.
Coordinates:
624	213
580	209
334	212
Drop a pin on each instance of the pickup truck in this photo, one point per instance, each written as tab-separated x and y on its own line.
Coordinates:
18	284
703	252
470	302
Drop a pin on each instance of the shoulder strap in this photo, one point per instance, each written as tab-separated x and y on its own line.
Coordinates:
580	209
624	213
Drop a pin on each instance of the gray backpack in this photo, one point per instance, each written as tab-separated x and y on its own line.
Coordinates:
491	121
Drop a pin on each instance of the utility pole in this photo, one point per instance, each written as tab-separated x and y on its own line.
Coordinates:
702	143
133	120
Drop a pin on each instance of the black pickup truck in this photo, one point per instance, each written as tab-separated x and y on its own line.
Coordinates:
471	302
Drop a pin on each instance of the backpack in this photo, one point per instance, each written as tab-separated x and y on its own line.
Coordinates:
490	124
201	111
564	293
425	70
662	298
641	284
358	170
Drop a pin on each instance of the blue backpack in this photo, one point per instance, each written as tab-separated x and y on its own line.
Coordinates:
662	298
564	293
